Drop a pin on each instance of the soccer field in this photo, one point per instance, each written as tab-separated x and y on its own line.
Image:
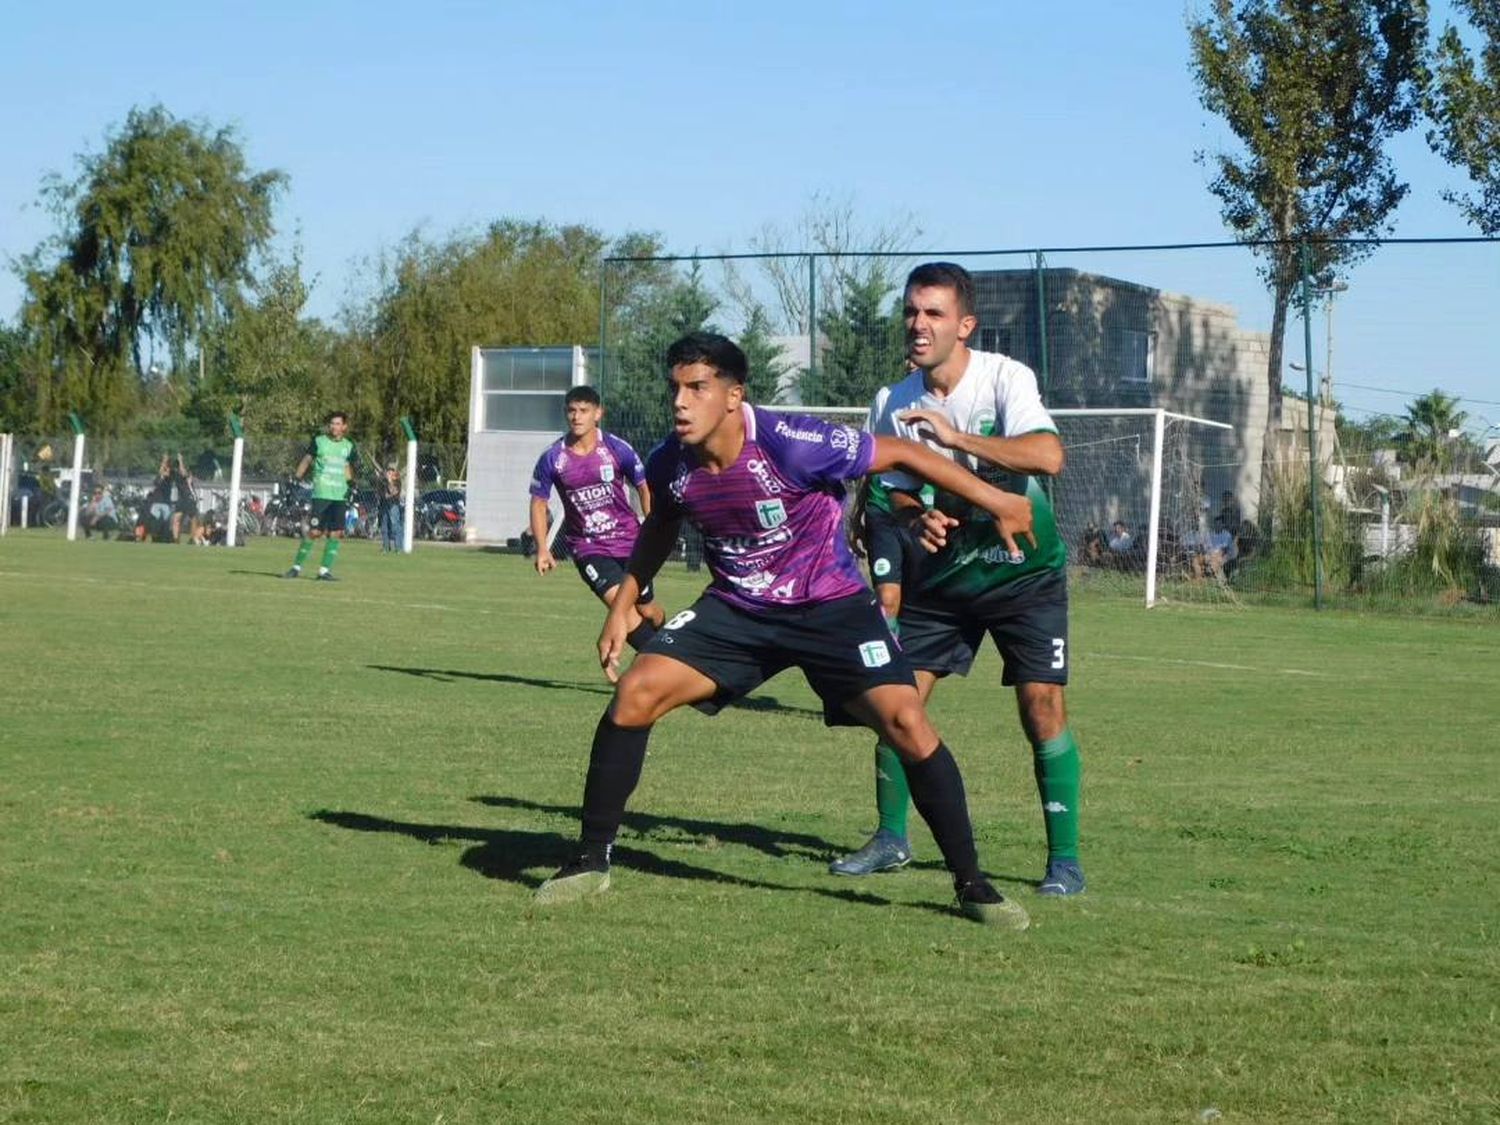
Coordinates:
269	849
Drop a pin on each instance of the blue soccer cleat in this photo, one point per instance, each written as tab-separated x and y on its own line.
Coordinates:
885	851
1064	877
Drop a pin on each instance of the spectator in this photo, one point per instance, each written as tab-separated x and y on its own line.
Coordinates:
1219	548
390	509
184	503
1094	546
1229	510
161	506
99	514
1121	542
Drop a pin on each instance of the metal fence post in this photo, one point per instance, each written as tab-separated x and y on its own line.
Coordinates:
812	323
1044	364
1312	427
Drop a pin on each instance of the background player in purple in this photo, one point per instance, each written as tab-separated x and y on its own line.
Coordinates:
767	492
590	468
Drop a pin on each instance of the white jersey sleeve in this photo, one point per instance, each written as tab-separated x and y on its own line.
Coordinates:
1018	403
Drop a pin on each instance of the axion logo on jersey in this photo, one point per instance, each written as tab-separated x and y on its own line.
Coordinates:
770	513
763	475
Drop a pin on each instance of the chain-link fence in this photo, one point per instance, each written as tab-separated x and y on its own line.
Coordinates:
141	490
1404	502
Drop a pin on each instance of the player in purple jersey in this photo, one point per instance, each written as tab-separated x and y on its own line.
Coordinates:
590	468
767	492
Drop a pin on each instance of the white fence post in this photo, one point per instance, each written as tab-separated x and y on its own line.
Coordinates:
1153	534
76	484
232	531
7	448
409	497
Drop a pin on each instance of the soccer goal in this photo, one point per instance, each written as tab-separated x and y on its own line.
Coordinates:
1149	503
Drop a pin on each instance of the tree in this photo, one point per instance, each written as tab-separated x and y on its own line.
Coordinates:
16	400
1313	91
158	233
863	348
635	391
1433	431
1463	104
515	284
764	358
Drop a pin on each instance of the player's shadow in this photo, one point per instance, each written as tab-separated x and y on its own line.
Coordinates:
768	703
257	573
449	675
518	856
688	830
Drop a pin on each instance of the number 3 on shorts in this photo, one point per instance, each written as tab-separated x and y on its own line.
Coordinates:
1059	652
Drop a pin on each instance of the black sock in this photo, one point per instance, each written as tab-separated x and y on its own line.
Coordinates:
937	789
614	770
639	637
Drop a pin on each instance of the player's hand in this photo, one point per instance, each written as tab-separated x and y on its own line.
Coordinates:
933	422
931	529
1013	518
544	560
612	644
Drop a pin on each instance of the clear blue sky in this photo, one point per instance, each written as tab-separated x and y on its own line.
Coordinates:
992	124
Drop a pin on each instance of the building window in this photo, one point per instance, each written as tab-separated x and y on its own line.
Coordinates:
994	340
1135	354
523	388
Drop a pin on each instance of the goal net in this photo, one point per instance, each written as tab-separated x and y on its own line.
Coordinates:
1149	504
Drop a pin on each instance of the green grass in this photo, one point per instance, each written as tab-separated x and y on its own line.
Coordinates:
268	850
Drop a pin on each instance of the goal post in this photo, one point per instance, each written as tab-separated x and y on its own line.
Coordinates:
1139	501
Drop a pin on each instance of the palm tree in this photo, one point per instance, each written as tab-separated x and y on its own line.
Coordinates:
1429	422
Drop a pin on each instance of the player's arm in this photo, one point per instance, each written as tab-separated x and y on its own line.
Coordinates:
653	546
302	466
1040	452
544	560
643	490
1012	512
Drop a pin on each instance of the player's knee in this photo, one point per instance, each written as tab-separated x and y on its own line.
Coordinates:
1042	711
639	701
909	730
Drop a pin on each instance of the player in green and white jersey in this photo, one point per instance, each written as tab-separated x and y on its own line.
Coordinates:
984	410
331	456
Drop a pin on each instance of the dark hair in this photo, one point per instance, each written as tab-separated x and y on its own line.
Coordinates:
581	394
332	414
719	352
945	275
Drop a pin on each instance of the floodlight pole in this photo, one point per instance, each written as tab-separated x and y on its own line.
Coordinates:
409	497
77	482
232	531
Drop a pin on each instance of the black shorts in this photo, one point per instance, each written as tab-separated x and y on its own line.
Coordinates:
603	574
1027	619
843	647
327	515
890	546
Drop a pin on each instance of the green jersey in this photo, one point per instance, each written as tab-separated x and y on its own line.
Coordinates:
331	461
996	395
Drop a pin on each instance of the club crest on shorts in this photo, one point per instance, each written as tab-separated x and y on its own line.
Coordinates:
770	513
874	654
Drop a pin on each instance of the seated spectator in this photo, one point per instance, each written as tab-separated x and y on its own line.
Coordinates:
1094	547
1121	542
1229	510
99	514
1219	547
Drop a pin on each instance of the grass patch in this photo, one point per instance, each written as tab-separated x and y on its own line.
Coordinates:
269	849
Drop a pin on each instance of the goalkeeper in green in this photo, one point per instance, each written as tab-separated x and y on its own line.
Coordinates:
331	456
984	410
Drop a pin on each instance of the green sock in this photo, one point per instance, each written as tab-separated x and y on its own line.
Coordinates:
892	794
303	550
330	551
1059	774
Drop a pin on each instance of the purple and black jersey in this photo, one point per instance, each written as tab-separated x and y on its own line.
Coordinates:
773	522
598	520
